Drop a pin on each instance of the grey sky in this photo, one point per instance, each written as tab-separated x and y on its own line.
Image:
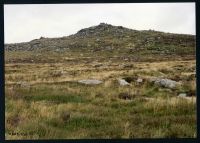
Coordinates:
27	22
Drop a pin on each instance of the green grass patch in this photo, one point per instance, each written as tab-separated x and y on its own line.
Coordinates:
56	98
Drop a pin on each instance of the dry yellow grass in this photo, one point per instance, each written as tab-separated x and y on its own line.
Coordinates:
36	73
96	111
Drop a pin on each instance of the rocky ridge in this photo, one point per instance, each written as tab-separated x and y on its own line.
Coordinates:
108	38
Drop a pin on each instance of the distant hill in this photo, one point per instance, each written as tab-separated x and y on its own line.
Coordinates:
109	40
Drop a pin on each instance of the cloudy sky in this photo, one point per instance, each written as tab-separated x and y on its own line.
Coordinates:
27	22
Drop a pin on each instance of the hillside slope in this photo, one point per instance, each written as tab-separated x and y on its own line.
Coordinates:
106	40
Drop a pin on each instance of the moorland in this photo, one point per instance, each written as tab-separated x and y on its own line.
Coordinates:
104	81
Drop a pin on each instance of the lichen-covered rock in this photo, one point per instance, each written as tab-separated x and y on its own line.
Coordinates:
164	82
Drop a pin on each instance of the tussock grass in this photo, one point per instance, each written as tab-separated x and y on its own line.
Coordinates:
39	110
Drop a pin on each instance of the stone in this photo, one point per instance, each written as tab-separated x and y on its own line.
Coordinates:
90	81
187	94
182	95
164	82
126	59
123	82
57	50
139	80
126	65
97	39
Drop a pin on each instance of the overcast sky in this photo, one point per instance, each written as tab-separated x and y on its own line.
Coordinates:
27	22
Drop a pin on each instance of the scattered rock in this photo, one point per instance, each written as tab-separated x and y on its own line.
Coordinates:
191	93
126	65
97	39
139	80
90	81
126	59
168	83
126	37
123	82
182	95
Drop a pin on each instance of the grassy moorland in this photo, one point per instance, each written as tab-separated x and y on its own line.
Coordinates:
44	99
51	104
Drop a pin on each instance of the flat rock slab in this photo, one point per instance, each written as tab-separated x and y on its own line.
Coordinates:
168	83
123	82
182	95
90	81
